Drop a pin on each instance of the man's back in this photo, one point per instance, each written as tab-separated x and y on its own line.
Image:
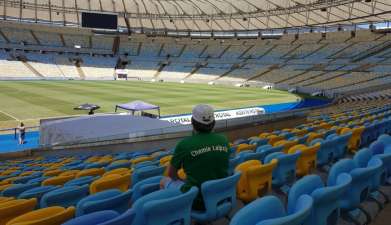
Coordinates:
203	156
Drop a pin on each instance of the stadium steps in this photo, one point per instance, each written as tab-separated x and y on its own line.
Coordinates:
315	67
80	71
160	69
271	68
194	70
32	69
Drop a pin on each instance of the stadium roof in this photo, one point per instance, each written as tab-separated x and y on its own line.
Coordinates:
202	15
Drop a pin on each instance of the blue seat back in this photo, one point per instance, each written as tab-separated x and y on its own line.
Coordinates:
65	196
16	189
219	197
174	210
285	172
112	199
300	214
81	181
362	157
145	187
37	192
146	172
268	207
94	218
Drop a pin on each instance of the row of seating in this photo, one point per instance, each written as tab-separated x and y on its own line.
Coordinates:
40	184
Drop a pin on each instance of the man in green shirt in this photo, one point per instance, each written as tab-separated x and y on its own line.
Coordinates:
203	156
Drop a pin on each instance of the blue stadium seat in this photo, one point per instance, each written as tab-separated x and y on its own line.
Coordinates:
325	208
171	199
112	199
146	172
270	211
81	181
65	196
145	187
95	218
219	198
16	189
285	172
37	192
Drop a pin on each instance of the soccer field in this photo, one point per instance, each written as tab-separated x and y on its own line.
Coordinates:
29	101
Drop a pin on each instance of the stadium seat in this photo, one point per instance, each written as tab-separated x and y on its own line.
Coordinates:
106	200
81	181
219	198
245	147
307	159
118	164
359	188
156	208
285	171
65	196
140	159
286	144
146	172
48	216
256	179
355	140
37	192
51	173
95	218
146	186
16	189
273	139
120	182
325	207
58	180
270	211
15	208
90	172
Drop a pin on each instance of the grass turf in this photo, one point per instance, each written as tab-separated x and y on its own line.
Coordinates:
30	101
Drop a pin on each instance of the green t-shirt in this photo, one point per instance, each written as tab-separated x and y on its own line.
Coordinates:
203	156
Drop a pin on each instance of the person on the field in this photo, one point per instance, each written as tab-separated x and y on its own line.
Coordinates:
203	156
22	133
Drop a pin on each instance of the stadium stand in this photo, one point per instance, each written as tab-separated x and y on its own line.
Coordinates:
33	178
332	169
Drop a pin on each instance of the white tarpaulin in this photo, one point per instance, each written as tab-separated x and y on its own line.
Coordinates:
100	127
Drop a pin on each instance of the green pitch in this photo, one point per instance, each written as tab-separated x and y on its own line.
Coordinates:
29	101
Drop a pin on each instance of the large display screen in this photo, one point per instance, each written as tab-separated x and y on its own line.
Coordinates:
99	20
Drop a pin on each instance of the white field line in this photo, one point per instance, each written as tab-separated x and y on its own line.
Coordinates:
13	117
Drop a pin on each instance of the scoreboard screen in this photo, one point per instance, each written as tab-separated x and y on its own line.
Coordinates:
99	20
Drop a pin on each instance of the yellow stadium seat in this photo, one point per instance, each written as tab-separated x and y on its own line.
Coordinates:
286	144
52	173
355	140
27	173
4	182
54	215
263	135
5	186
256	179
92	159
274	138
306	162
14	208
4	199
313	136
166	159
181	174
119	171
141	159
111	181
58	180
91	172
69	173
245	147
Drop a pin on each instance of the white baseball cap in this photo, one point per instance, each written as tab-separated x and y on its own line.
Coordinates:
203	114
